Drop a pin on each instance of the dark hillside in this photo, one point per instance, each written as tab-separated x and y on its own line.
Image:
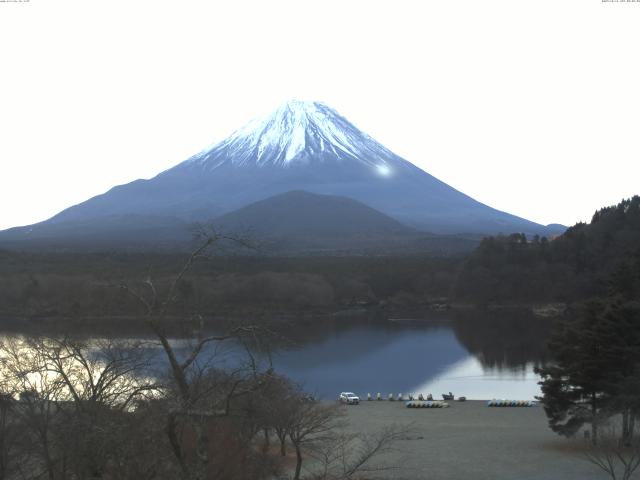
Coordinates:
573	266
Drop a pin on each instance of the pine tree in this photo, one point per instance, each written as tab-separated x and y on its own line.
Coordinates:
574	388
620	330
596	373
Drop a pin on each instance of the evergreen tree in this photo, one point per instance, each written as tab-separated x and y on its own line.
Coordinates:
574	387
596	373
620	331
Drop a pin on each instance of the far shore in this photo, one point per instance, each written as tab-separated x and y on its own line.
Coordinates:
441	313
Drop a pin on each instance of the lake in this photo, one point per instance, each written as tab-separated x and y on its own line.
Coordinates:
410	358
478	355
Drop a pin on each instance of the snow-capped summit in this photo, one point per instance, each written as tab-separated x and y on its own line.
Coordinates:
297	133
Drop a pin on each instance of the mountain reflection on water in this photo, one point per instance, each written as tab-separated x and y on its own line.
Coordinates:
478	355
371	359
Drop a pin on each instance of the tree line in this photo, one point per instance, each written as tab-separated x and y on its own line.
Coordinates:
86	285
572	267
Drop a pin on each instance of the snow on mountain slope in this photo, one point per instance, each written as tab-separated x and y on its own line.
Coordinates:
294	133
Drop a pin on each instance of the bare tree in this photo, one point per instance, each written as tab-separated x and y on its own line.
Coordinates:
102	379
109	373
618	458
24	376
73	399
350	456
280	400
198	401
312	424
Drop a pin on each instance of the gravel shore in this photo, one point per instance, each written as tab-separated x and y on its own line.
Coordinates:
469	440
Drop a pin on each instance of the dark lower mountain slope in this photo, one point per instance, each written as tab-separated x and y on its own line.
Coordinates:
300	221
127	232
300	214
295	222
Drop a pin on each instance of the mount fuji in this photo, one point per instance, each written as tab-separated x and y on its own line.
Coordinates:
302	146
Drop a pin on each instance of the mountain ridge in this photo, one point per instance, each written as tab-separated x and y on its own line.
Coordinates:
301	146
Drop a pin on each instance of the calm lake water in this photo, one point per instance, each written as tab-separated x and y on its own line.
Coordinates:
404	359
480	356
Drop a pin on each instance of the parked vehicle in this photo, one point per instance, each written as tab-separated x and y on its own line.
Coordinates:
349	398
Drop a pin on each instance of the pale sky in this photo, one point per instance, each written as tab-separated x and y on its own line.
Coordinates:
530	106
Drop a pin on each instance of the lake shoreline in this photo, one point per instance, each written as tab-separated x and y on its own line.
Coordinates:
417	314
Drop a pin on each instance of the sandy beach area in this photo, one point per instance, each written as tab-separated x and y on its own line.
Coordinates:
469	440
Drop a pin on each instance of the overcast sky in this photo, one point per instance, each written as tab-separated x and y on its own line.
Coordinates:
532	107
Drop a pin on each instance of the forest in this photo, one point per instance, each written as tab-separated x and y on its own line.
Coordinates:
504	270
576	265
89	286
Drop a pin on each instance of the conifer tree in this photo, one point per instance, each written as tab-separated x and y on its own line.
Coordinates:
596	373
574	387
